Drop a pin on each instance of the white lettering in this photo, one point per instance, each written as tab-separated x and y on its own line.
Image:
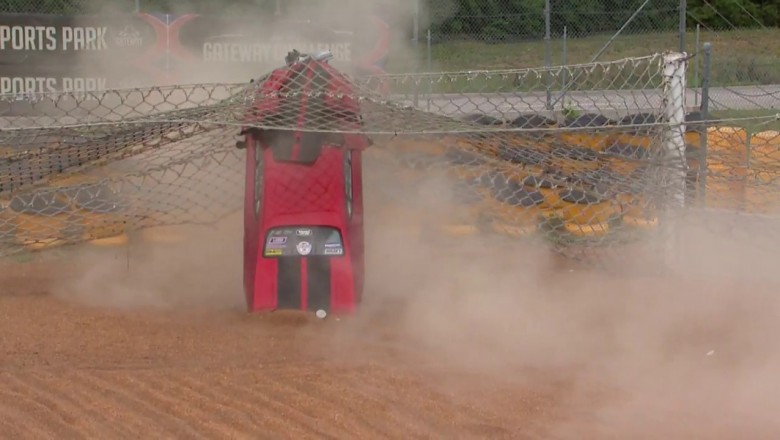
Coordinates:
28	38
20	84
83	85
76	86
84	38
269	52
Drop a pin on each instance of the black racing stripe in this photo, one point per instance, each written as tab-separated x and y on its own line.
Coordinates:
289	283
318	283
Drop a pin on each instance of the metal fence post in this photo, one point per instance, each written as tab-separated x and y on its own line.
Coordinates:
564	62
696	91
674	164
429	68
748	146
674	97
683	24
704	126
137	6
416	43
548	52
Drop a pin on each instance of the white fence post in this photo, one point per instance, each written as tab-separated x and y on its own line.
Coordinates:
675	165
675	67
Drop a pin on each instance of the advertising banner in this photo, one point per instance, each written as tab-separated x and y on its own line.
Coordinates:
46	53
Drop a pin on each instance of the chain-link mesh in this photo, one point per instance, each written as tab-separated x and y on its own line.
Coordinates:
506	20
86	167
67	6
89	166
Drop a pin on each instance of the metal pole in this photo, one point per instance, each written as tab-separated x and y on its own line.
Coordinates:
564	61
697	90
137	6
429	68
278	7
705	110
674	97
620	31
683	24
548	52
609	43
416	44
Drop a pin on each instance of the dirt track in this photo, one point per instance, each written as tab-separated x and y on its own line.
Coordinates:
70	371
444	347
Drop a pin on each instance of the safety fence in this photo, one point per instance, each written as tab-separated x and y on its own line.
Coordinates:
476	160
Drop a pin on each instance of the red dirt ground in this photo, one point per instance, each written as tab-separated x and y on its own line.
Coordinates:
445	346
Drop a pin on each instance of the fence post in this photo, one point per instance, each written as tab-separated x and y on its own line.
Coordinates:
564	62
548	52
675	64
137	6
429	68
673	161
697	91
704	109
416	43
683	24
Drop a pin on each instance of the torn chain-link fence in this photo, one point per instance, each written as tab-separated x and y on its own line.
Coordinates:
473	152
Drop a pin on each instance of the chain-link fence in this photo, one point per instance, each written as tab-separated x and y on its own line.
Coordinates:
494	34
454	35
499	62
99	165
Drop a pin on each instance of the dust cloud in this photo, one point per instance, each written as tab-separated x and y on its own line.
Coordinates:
692	354
167	268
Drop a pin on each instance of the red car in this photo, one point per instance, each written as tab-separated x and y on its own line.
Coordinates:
303	242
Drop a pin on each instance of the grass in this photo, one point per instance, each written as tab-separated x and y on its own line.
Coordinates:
739	57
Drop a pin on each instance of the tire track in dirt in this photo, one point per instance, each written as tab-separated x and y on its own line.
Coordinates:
316	389
16	422
39	407
132	410
350	405
269	396
373	401
405	397
87	406
211	416
262	422
49	405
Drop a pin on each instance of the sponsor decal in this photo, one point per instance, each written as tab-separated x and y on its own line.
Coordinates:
333	237
332	245
336	251
243	50
273	252
276	241
303	232
304	248
129	36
